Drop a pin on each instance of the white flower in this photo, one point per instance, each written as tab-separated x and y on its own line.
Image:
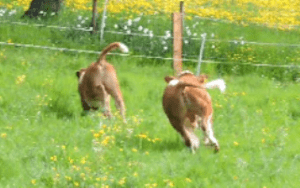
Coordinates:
129	23
168	34
203	35
213	46
137	19
125	27
235	42
242	42
163	42
165	47
12	12
186	41
195	24
188	32
82	22
78	25
150	34
140	28
212	35
195	34
128	31
146	30
41	12
52	13
1	14
116	26
79	17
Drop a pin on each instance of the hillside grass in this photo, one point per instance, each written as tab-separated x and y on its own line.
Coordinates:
45	142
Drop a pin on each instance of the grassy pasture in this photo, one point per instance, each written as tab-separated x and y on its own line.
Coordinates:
45	142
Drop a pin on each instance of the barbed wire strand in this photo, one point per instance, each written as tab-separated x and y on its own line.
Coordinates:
140	56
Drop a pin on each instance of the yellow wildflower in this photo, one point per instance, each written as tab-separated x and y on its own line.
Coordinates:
235	143
3	135
33	181
53	158
122	181
134	150
68	178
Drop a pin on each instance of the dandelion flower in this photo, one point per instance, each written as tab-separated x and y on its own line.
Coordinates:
188	180
235	143
33	181
3	135
134	150
76	184
53	158
122	181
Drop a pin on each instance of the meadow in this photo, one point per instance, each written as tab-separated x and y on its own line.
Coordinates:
46	142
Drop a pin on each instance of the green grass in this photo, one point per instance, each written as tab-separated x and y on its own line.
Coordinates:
45	139
45	142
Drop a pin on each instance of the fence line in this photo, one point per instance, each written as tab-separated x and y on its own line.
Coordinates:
157	36
139	56
246	22
50	26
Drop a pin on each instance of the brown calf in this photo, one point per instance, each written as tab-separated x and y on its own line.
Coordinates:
98	81
185	100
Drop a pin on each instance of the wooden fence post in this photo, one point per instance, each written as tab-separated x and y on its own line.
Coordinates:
177	43
94	16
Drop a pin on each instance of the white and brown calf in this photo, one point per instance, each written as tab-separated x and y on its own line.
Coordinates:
185	100
98	82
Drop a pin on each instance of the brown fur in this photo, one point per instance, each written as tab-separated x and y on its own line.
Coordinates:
184	105
97	82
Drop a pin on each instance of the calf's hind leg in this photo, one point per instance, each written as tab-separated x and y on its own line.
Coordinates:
206	126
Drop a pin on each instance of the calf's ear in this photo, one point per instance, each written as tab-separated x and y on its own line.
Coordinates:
203	78
169	78
78	74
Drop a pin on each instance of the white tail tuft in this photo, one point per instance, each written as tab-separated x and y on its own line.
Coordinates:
123	48
173	82
219	83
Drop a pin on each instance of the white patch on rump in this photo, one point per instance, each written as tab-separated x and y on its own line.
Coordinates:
123	47
174	82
